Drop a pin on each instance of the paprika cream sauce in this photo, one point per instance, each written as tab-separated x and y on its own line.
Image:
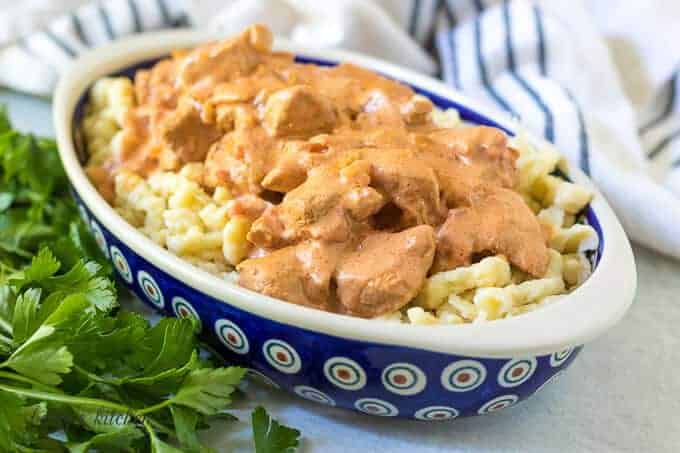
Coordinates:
355	195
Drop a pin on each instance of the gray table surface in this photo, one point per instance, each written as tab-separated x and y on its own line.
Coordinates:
621	395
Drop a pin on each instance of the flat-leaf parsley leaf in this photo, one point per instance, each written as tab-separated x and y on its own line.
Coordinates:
71	360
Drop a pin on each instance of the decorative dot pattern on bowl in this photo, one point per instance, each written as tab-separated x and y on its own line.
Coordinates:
381	380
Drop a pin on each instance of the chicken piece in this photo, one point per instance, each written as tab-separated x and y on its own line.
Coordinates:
263	81
136	149
321	208
369	82
410	183
484	147
155	86
186	135
206	66
363	202
498	221
471	140
385	272
290	169
416	110
240	159
300	274
298	111
466	159
380	111
249	206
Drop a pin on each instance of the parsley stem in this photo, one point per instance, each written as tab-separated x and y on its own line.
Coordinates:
6	326
149	429
155	407
91	376
56	396
161	427
61	398
8	341
29	381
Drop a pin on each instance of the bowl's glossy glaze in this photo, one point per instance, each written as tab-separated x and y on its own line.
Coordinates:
374	370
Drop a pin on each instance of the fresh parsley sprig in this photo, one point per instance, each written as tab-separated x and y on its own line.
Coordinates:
72	362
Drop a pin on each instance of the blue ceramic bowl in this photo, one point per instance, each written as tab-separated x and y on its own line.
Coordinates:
376	367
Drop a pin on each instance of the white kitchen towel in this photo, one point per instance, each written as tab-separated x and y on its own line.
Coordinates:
599	83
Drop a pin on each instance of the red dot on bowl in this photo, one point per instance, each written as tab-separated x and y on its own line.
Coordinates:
343	374
439	415
463	377
231	338
399	379
281	357
517	372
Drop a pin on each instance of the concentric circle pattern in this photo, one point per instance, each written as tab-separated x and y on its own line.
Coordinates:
463	375
558	358
121	264
436	413
313	394
375	406
345	373
404	379
183	309
516	372
99	238
150	289
232	336
281	356
498	403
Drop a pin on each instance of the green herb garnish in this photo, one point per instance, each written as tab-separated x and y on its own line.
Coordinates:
77	372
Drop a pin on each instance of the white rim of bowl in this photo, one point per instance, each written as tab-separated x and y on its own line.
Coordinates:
598	304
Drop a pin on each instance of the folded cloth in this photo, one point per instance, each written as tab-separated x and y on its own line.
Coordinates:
548	64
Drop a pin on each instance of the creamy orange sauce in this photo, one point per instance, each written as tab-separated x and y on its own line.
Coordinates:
355	195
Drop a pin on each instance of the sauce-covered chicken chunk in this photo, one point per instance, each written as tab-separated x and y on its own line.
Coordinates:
325	207
497	221
187	136
348	191
385	272
298	111
300	274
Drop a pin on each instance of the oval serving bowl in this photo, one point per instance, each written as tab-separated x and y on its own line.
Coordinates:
379	368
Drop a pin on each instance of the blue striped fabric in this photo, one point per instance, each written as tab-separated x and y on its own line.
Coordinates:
663	144
106	21
518	85
99	22
663	129
415	15
481	63
136	19
548	131
668	108
68	50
